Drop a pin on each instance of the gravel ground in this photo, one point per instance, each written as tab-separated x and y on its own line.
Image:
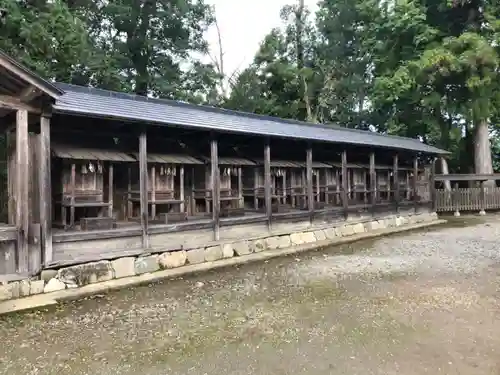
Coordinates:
415	303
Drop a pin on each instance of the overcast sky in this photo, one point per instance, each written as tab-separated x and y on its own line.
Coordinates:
243	25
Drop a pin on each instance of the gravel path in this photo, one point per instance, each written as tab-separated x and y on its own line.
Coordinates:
417	303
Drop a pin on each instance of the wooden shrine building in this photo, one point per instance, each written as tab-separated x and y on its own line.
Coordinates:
95	174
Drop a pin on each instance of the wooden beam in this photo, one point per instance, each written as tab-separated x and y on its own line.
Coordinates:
345	203
395	179
467	177
373	182
22	189
143	186
17	104
215	178
267	182
45	190
309	178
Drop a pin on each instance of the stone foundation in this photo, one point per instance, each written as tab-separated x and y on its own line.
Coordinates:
95	272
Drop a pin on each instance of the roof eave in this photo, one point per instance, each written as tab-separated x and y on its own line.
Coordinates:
27	75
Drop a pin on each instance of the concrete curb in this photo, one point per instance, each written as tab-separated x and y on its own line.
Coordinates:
49	299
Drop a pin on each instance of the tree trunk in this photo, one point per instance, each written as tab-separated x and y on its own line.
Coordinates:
445	170
299	40
483	163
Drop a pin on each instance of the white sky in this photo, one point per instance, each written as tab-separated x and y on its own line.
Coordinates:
243	25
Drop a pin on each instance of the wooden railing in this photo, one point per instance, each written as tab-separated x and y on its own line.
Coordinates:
467	199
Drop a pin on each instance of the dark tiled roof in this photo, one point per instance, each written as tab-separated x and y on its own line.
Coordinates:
108	104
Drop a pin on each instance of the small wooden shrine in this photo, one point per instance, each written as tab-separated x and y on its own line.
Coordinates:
79	183
231	186
288	185
166	187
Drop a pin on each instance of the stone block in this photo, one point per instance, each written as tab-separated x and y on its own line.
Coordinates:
308	237
54	285
358	228
46	275
9	291
284	242
399	221
258	246
227	251
347	230
213	253
36	287
372	225
24	288
391	222
296	238
272	243
320	235
196	256
242	248
146	264
330	233
88	273
172	259
338	231
123	267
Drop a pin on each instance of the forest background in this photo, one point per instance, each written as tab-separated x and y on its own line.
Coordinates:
427	69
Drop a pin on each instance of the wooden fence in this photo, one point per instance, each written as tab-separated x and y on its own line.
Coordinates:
467	199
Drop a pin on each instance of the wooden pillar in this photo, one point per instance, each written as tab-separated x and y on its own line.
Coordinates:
181	187
45	190
345	203
309	174
73	187
267	182
240	188
432	185
153	193
130	205
415	181
215	179
110	191
22	192
373	182
143	185
395	179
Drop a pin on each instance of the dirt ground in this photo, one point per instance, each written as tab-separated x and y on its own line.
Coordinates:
424	302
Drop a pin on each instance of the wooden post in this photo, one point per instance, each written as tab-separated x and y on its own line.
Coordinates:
415	181
73	187
284	187
153	193
345	203
22	194
482	212
256	188
373	183
432	183
181	187
318	189
110	191
45	190
310	187
143	186
456	199
214	158
240	189
267	182
395	179
130	205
